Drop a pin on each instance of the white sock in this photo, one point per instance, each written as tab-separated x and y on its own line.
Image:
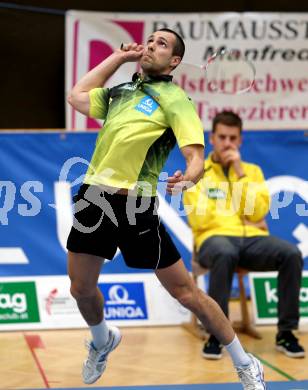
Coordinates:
237	353
100	334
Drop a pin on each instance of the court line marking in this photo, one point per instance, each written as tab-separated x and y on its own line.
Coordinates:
265	362
34	342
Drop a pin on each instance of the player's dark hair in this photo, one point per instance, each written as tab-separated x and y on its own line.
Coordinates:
179	47
227	118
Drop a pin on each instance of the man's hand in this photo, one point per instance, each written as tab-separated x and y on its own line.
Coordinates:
194	156
259	224
176	183
131	52
232	156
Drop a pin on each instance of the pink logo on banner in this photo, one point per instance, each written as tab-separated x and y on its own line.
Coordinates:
99	50
49	300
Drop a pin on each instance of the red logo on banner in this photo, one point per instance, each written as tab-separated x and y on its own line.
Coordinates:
50	299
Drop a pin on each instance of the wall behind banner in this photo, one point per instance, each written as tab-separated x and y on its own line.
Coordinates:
37	183
32	51
40	172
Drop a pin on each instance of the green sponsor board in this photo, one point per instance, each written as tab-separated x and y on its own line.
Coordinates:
18	303
265	297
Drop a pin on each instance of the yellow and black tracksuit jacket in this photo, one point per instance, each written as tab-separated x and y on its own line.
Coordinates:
226	205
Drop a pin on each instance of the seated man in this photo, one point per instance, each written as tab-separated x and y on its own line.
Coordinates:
226	211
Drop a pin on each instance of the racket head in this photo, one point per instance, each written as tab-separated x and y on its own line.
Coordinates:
229	72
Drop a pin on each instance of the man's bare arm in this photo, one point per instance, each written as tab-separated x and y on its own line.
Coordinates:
194	156
97	77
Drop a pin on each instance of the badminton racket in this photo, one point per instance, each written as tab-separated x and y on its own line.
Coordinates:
227	72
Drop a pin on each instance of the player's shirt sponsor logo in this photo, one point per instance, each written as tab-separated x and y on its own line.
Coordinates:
147	105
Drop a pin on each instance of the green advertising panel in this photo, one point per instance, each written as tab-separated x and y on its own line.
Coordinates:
265	298
18	303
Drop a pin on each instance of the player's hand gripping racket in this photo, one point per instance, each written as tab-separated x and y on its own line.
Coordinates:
228	72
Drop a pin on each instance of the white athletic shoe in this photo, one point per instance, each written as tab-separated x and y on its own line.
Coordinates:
95	364
252	376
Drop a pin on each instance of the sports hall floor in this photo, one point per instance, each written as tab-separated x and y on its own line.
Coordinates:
148	358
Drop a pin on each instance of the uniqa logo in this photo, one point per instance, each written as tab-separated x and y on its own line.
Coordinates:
149	102
118	295
17	302
120	306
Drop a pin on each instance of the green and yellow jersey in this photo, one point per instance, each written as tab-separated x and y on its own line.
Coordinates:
143	121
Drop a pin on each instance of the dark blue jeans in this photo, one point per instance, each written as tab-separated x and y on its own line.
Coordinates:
222	254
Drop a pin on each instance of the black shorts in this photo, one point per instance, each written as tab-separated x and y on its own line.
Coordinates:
103	222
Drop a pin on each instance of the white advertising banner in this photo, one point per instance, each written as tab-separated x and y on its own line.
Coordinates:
44	302
276	43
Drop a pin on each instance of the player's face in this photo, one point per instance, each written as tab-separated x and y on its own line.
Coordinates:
157	57
225	138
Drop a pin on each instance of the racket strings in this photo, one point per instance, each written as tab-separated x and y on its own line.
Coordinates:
229	72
